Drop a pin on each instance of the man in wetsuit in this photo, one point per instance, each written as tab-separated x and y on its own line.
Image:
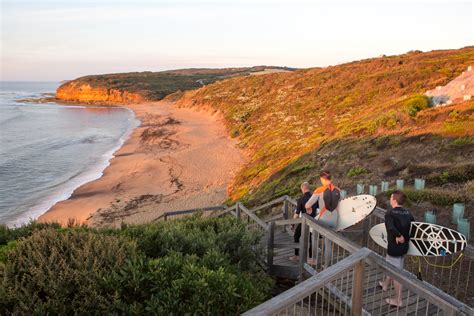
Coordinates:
398	223
299	211
328	196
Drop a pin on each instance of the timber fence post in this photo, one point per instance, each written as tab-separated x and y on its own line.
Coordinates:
365	236
285	208
237	210
327	252
303	247
270	241
358	288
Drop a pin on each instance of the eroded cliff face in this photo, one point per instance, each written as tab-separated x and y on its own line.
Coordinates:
83	92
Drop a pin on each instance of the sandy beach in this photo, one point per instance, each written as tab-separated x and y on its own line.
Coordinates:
178	158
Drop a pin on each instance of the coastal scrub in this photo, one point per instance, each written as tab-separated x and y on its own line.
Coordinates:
187	266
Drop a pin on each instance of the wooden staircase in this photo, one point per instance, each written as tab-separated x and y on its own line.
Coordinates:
348	267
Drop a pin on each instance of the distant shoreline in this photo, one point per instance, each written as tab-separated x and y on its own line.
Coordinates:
51	148
51	98
85	177
176	158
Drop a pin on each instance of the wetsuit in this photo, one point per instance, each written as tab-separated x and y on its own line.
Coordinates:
398	223
327	217
301	209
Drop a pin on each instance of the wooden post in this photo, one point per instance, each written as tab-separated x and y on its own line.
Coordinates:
327	252
304	240
270	241
314	243
358	288
237	210
285	209
365	233
285	213
166	217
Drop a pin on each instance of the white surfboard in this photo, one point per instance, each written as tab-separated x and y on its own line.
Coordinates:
353	209
425	239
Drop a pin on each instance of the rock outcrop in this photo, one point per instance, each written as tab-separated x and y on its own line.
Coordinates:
84	92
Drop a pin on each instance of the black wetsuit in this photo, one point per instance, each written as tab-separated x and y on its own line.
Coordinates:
398	223
301	209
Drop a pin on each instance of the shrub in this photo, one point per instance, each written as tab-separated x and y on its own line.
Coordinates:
8	234
356	171
416	103
187	266
55	272
463	141
458	174
437	197
5	249
180	284
194	236
235	133
470	186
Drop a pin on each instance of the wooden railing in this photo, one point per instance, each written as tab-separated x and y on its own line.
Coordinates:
332	278
253	221
303	299
342	288
182	213
450	273
343	292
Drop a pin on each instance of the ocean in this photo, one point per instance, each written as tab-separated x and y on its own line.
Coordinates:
47	150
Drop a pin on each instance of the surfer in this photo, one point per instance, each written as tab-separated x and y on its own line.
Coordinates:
398	223
299	211
328	197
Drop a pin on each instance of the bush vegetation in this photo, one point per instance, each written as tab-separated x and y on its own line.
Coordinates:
356	171
457	174
416	103
9	234
188	266
437	197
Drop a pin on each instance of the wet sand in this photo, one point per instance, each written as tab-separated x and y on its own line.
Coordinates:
178	158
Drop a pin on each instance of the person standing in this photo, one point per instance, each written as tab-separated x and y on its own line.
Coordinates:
328	196
398	223
299	211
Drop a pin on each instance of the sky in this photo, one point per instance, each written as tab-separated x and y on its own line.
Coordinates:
62	40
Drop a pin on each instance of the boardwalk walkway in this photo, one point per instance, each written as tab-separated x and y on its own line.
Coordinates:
348	268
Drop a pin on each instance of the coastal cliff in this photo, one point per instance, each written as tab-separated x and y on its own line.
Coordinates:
136	87
84	92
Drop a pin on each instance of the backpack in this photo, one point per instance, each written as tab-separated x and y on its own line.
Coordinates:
331	199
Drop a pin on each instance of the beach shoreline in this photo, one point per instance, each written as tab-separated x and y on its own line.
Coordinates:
176	158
